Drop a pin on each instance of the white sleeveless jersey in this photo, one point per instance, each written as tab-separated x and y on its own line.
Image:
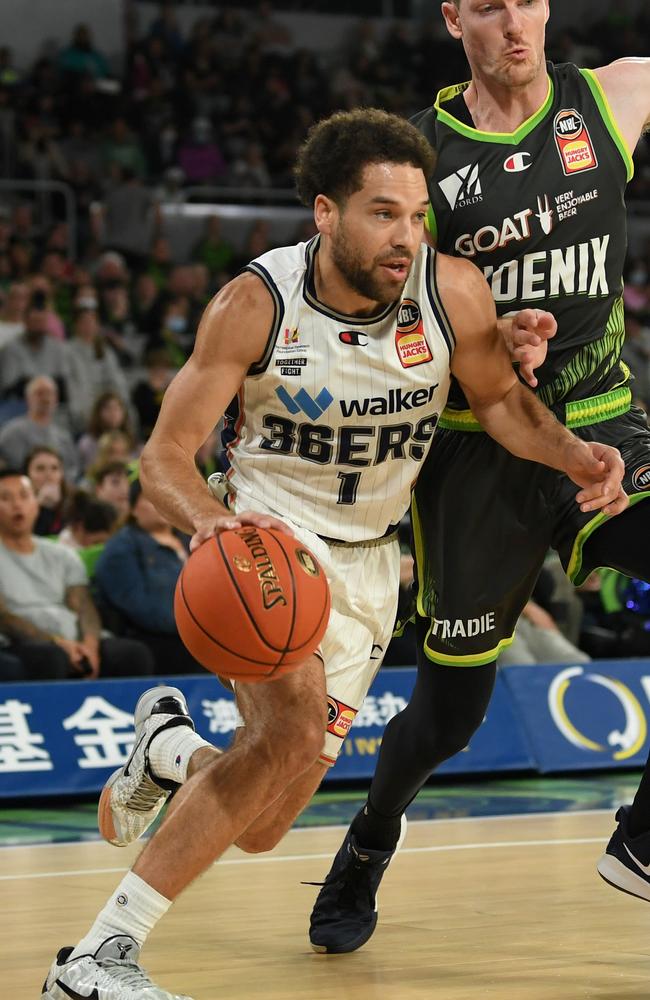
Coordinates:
331	427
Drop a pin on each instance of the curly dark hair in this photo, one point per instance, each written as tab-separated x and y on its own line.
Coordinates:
337	150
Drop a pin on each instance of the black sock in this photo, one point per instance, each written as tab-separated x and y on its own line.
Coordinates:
374	831
638	820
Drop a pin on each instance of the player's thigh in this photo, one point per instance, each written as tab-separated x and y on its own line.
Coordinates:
482	524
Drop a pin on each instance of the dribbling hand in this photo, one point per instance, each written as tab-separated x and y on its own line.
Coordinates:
206	527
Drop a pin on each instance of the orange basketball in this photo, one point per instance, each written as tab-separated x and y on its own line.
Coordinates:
252	604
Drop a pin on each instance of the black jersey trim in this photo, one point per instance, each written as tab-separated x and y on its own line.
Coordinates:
435	301
505	138
278	315
309	295
606	113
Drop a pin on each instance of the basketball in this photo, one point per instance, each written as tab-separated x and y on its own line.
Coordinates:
252	604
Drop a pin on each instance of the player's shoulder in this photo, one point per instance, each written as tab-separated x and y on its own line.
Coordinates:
283	263
463	289
425	121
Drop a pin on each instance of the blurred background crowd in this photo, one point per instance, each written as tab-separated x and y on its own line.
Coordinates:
133	185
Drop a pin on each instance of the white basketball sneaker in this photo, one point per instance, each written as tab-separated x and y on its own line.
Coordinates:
133	796
112	973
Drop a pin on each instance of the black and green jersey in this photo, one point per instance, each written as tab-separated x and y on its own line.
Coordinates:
541	212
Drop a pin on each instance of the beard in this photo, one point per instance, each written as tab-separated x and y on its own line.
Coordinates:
365	281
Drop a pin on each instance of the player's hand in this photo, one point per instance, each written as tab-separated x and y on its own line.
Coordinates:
526	335
206	527
599	470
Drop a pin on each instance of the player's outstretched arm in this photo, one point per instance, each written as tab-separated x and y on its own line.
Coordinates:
626	83
232	336
507	410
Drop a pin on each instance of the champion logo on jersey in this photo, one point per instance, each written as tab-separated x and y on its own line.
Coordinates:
314	408
573	142
410	340
517	163
353	337
463	187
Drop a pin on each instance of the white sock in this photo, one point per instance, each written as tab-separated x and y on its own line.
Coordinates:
171	749
133	909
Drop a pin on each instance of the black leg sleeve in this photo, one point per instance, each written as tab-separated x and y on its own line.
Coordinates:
447	706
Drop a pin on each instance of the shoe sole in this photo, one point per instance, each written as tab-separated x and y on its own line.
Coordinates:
143	708
619	876
322	949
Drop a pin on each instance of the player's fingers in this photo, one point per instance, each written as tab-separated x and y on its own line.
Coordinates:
527	373
617	506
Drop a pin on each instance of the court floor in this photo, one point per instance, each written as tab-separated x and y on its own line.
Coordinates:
502	906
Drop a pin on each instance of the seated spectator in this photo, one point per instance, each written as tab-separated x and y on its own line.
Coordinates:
81	57
617	615
538	639
44	467
146	306
12	314
136	576
89	522
46	610
116	446
18	437
147	395
93	367
109	413
110	482
42	296
32	353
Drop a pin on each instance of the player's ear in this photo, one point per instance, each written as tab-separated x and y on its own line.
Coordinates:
452	19
325	213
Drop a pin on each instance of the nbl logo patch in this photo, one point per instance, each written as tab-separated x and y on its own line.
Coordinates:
410	341
573	142
641	479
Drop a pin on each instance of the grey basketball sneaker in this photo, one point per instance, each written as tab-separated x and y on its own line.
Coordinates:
112	973
133	796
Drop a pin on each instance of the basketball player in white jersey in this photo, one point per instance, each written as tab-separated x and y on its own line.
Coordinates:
339	353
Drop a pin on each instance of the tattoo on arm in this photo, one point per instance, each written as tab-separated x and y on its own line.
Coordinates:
79	600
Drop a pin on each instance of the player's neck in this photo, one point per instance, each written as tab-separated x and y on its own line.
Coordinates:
333	291
498	108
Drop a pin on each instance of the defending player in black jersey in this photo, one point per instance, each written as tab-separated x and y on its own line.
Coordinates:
533	160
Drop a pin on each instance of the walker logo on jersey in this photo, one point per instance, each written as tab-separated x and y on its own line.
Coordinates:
396	401
641	479
517	163
573	142
314	408
339	717
569	714
410	340
353	337
463	187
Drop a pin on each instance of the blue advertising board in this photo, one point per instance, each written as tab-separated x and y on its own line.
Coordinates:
68	737
594	715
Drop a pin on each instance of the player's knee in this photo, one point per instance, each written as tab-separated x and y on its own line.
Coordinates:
303	746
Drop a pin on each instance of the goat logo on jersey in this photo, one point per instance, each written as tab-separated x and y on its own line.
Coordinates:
573	142
410	341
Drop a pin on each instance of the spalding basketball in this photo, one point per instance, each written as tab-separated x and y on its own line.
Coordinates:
252	604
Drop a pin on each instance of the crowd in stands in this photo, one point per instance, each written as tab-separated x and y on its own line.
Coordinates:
92	329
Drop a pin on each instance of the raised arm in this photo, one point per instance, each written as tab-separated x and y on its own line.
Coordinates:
626	83
506	409
232	336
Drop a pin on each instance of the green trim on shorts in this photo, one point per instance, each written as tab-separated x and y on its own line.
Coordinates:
576	573
579	413
471	660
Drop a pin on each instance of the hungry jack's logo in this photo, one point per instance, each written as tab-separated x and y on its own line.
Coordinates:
410	340
573	142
